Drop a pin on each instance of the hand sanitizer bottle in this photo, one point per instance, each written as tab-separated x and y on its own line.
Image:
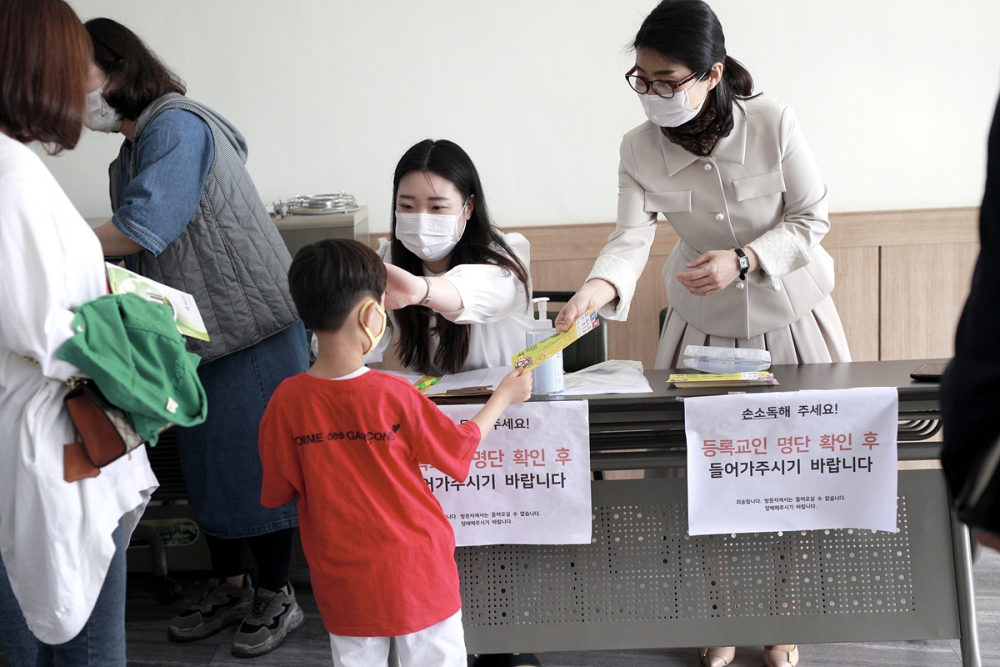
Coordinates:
547	378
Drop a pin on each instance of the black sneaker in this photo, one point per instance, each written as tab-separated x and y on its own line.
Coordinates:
219	605
273	616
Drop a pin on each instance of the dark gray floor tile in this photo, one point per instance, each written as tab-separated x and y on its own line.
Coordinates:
309	646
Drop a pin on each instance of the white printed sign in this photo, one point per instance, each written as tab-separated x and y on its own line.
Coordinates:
801	460
529	482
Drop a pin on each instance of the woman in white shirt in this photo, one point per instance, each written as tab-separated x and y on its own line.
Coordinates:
62	543
457	285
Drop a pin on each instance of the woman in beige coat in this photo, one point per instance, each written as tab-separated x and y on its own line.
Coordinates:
733	175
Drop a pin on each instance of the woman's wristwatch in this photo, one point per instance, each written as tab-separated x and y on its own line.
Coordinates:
742	262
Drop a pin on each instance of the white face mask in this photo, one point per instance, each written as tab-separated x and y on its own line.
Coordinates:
100	116
672	112
429	236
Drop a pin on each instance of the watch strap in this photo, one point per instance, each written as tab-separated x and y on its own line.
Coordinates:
743	262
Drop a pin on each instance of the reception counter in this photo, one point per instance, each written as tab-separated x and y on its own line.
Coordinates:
644	583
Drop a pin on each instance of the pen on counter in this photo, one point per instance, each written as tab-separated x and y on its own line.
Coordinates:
426	382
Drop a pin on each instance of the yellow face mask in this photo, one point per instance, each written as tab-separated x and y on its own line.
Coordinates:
381	311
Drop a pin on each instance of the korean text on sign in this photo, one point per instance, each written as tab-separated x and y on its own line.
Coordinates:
529	482
745	450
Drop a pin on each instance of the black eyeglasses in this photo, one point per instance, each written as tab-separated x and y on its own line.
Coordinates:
665	89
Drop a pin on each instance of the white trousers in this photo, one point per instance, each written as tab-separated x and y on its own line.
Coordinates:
441	645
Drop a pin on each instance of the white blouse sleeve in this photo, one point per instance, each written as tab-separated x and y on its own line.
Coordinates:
35	316
805	219
489	293
624	255
384	250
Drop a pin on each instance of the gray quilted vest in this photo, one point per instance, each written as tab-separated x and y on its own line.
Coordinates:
230	256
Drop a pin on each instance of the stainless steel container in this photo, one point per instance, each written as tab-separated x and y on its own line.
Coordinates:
298	230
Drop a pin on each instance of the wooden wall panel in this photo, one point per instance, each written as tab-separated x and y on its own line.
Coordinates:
856	295
902	277
923	289
562	274
907	227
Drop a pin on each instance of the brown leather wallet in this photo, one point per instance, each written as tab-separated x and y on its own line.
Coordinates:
76	463
98	425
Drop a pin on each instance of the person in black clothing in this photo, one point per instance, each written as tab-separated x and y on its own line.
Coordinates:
970	389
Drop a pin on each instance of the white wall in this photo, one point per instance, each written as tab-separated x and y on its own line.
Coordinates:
895	96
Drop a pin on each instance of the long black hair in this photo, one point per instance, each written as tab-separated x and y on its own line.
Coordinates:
688	32
481	243
138	73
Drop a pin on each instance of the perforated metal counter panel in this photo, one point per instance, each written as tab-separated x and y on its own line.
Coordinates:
644	583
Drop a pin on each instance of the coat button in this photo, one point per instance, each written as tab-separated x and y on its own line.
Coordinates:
708	167
720	217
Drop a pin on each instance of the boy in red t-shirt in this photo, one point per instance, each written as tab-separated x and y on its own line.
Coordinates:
347	442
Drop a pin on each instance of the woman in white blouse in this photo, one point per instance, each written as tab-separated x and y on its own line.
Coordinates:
457	285
734	177
62	543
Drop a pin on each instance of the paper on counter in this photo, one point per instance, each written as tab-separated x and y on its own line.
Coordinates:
486	377
748	379
615	376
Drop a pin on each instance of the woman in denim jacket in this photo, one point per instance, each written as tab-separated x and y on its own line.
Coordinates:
187	214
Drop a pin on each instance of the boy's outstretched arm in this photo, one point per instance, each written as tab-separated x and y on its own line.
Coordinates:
515	388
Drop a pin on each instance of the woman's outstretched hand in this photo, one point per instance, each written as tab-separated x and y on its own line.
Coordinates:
594	294
402	288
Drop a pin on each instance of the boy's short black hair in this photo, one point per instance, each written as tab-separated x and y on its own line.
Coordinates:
328	278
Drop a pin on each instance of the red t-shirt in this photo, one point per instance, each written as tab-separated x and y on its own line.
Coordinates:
381	552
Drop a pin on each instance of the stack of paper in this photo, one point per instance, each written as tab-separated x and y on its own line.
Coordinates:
614	376
469	383
711	380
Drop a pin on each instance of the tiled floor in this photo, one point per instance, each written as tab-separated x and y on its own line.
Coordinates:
148	645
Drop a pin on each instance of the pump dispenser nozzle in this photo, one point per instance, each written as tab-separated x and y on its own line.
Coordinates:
542	323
